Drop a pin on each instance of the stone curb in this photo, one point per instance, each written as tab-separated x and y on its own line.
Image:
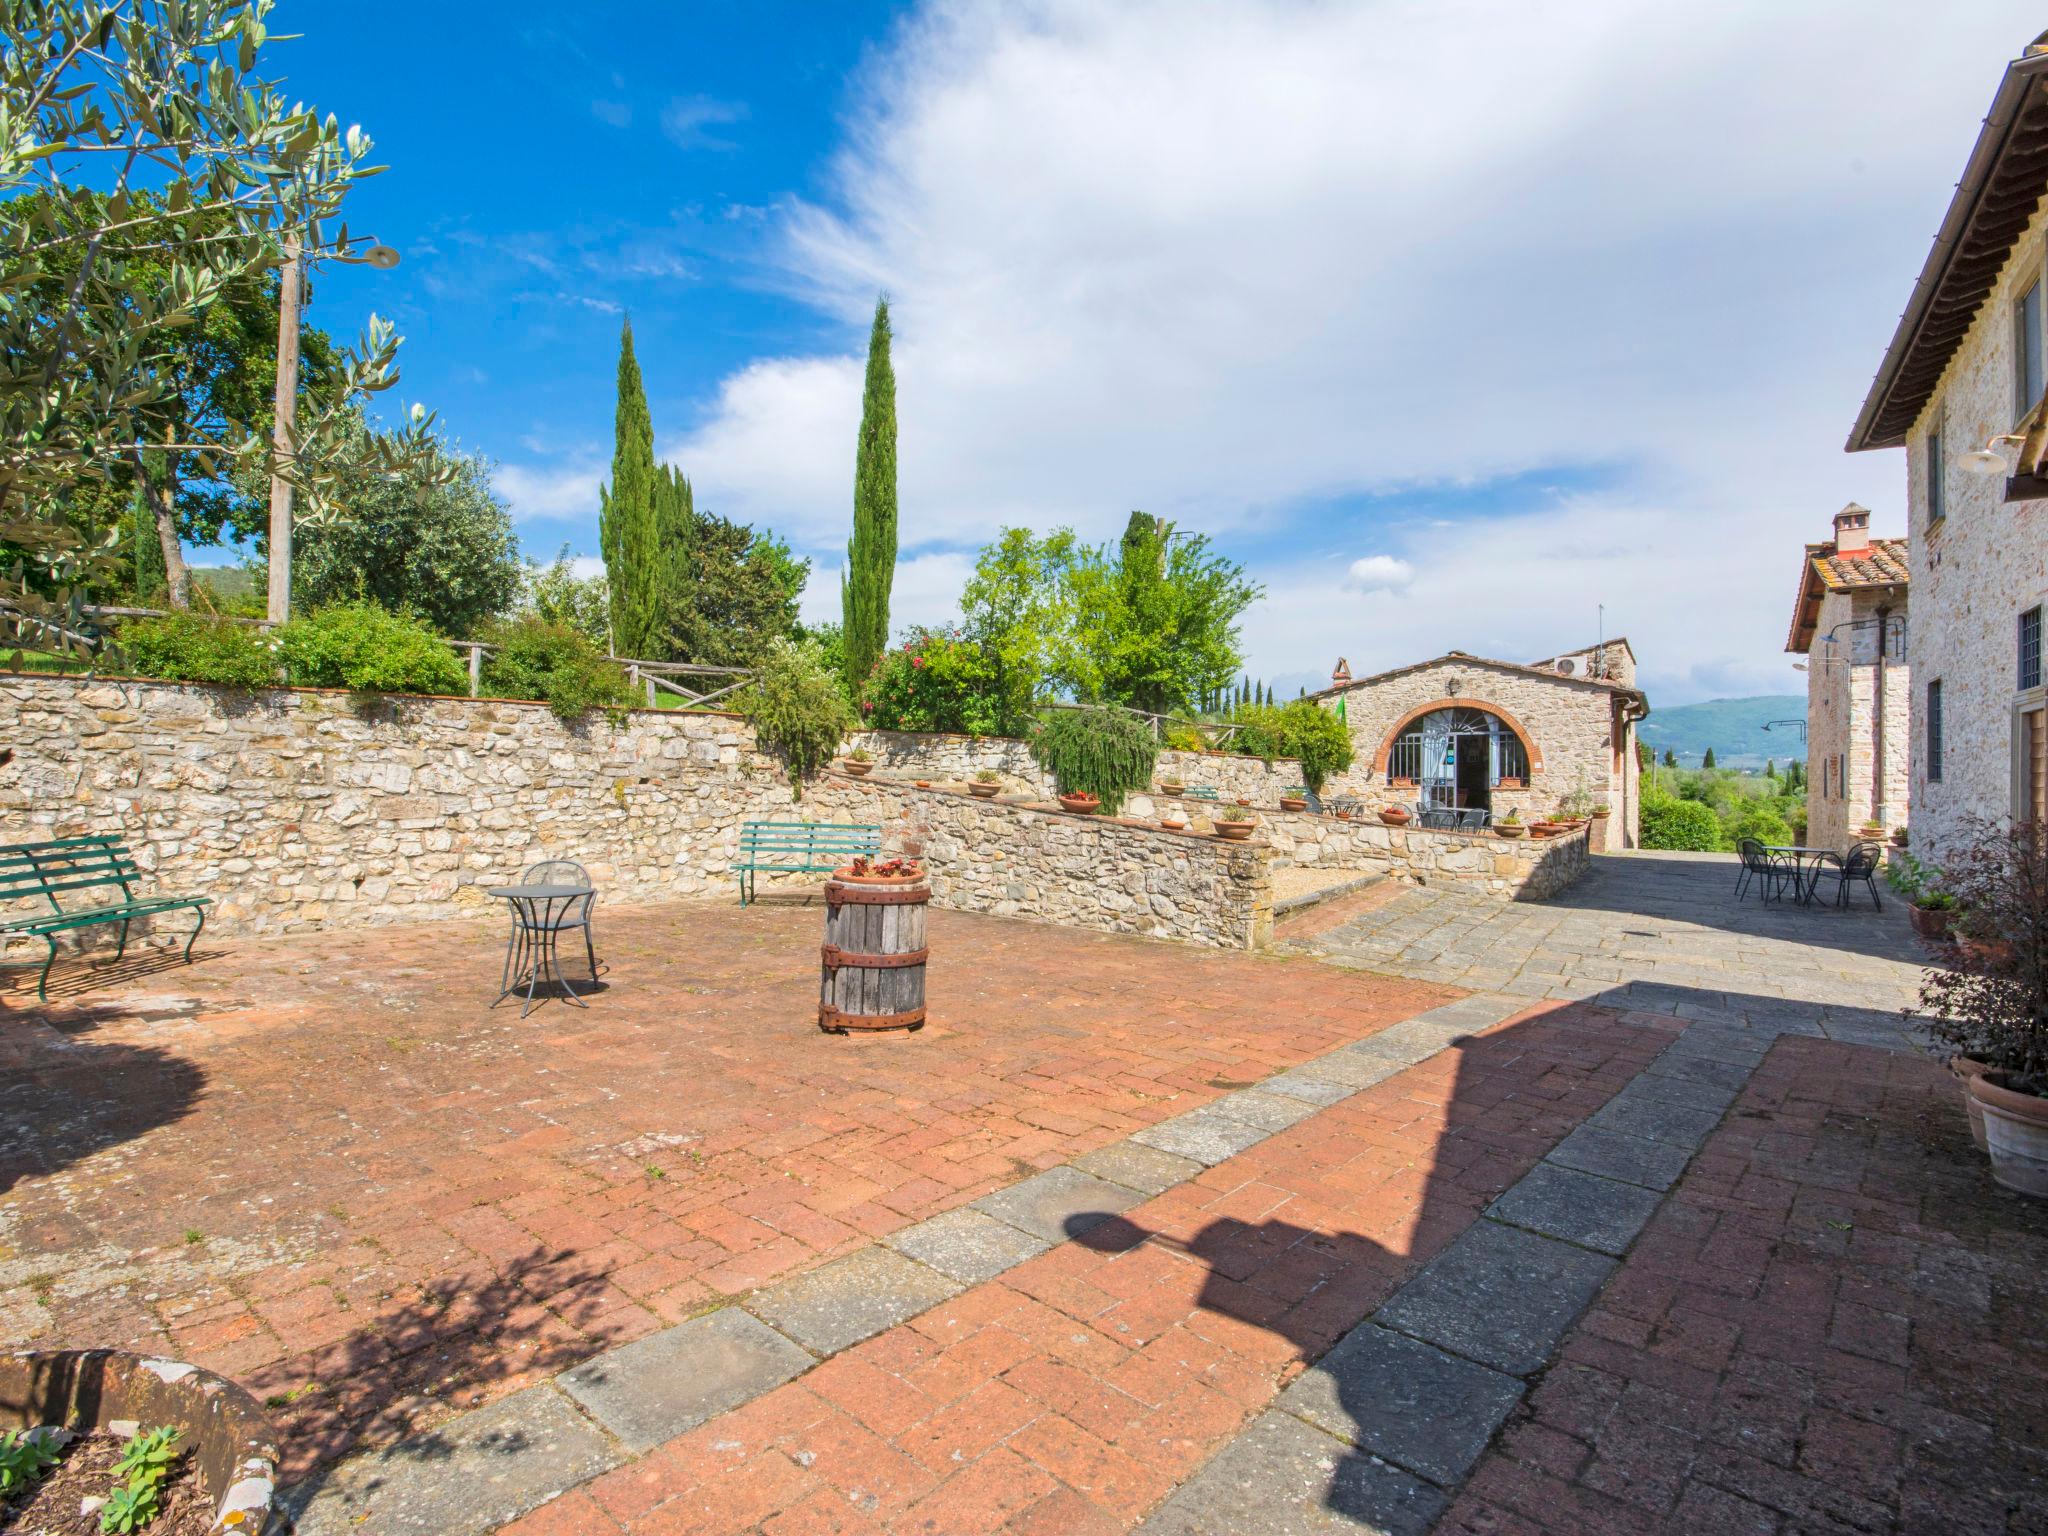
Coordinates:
485	1468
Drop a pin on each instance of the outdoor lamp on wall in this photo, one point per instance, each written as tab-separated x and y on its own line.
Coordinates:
1988	460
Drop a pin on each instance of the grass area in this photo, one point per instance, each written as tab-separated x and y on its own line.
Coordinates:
17	659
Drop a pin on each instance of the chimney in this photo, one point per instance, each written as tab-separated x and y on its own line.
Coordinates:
1342	675
1852	530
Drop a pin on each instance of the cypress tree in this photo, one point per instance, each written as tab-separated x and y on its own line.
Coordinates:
871	553
627	520
1708	760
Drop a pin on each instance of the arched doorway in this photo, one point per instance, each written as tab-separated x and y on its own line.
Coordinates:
1457	756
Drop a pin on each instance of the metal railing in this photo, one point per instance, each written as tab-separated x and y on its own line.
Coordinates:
652	677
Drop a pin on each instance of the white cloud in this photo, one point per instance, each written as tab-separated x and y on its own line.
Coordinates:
616	113
588	301
585	565
926	590
1218	261
1379	573
687	120
566	491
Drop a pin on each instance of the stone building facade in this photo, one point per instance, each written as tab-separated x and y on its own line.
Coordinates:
1849	621
1960	389
1497	735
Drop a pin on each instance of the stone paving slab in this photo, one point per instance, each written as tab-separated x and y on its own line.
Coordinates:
470	1477
1145	1169
1208	1135
655	1388
1283	1478
1617	1155
1602	1214
1308	1084
967	1245
850	1299
1656	1119
1059	1203
1404	1401
1498	1295
1267	1111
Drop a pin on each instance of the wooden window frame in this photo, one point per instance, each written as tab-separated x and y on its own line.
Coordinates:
1936	469
1936	729
2025	398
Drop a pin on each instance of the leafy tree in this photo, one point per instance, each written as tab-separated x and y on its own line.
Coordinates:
1679	824
871	553
555	594
1770	767
1708	760
628	520
937	681
106	99
433	539
1018	607
729	590
797	708
1670	758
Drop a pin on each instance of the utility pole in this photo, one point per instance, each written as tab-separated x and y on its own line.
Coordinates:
289	297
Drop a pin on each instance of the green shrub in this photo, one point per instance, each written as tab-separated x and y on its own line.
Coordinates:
937	681
798	710
1762	822
1185	738
1315	738
1101	752
538	659
1680	824
193	648
366	649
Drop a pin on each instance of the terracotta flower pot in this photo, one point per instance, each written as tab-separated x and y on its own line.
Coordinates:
1080	805
1394	816
1932	923
1601	813
856	767
983	791
1242	801
1343	815
923	783
1234	831
2015	1133
1547	828
1293	803
1172	787
1508	781
1511	829
1965	1068
1173	823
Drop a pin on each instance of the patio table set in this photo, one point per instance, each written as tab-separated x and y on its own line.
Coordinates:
1801	870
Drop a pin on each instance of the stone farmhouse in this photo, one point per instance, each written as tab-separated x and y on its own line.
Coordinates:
1496	736
1849	621
1961	390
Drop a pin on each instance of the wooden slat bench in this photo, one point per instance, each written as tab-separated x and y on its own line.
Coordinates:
1198	792
800	847
42	871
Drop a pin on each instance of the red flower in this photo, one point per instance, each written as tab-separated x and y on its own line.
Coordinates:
867	706
917	661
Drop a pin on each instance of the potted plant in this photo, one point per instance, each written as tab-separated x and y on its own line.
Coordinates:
1873	832
1173	786
1510	825
1295	799
860	762
983	785
1602	811
1245	801
1992	1010
1898	837
1234	824
1343	815
1173	822
1543	827
923	783
1096	756
1934	913
1396	815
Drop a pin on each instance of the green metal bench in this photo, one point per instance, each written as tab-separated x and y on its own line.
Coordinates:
800	847
1198	792
41	871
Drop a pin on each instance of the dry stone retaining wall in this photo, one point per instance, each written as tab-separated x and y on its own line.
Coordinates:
941	757
1524	869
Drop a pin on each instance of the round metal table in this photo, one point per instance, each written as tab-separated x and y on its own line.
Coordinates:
538	917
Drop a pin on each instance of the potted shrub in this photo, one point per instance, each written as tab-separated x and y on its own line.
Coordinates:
1234	824
860	762
1295	799
1933	912
1993	1011
985	784
1095	755
1173	786
1396	815
1898	837
1343	815
1245	801
1079	804
1510	825
1602	811
1872	832
1547	828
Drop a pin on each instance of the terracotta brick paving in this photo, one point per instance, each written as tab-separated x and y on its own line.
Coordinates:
1837	1323
1076	1391
323	1167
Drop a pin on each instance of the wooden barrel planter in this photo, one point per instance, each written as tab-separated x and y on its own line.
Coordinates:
874	955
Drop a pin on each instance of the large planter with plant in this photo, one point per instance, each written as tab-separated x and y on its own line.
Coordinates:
1234	824
1933	913
1173	786
2015	1121
1294	802
1987	998
1510	826
1078	804
859	764
172	1449
1395	815
1965	1068
985	784
1101	754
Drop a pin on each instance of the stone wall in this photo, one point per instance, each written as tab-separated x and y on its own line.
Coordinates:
1015	859
297	809
1521	869
1571	725
1973	572
943	758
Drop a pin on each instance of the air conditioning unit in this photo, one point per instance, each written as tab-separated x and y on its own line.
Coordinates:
1570	666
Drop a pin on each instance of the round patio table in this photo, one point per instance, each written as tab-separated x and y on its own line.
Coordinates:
538	917
1802	881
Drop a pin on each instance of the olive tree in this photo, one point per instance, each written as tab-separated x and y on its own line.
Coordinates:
148	168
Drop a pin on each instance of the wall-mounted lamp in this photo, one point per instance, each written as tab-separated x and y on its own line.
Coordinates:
1988	460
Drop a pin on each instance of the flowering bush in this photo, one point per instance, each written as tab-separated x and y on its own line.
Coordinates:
935	681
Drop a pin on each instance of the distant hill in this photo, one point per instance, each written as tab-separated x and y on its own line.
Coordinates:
1734	728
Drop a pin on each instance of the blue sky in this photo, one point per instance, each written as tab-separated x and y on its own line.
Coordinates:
1456	321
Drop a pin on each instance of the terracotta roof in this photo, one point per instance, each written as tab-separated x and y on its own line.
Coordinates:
1465	658
1823	571
2001	186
